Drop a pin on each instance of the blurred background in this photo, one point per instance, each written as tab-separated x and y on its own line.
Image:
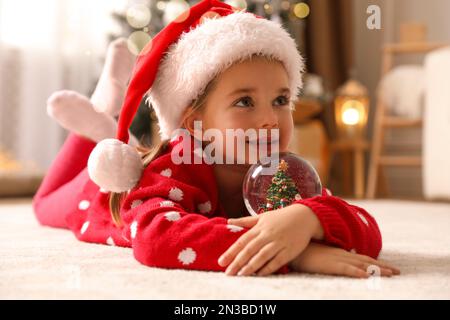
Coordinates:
373	118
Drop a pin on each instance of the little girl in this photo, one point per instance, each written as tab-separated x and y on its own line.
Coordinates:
228	69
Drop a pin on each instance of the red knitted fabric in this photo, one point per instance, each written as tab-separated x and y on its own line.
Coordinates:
172	218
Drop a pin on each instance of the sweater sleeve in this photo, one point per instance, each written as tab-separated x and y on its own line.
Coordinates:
166	234
346	226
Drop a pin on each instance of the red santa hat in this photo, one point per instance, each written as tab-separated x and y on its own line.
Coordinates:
174	69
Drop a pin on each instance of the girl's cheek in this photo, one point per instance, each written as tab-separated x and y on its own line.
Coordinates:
286	135
235	120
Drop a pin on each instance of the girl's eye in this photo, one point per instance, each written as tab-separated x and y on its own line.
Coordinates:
246	102
282	101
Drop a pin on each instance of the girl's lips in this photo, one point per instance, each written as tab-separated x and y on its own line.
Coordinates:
268	141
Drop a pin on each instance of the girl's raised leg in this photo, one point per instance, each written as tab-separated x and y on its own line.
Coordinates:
62	183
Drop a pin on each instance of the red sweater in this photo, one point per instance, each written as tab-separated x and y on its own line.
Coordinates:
172	218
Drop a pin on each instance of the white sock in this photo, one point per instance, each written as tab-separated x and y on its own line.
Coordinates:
110	91
75	113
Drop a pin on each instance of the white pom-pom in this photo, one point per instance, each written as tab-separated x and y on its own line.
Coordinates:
115	166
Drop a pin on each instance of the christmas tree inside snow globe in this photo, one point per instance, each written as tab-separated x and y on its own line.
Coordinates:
277	181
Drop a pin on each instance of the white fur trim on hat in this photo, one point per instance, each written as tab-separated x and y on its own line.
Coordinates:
115	166
213	46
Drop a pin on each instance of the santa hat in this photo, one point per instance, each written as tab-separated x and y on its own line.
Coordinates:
174	69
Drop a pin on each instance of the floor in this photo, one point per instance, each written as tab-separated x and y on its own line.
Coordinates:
45	263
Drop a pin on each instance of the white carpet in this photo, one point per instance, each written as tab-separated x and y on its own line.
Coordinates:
38	262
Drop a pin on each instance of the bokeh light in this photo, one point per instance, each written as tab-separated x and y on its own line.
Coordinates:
139	43
301	10
285	5
350	116
240	4
176	10
161	5
268	8
138	16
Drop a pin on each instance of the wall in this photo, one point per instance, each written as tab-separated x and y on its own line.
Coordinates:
434	13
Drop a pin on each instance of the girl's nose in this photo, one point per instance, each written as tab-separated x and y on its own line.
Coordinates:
269	119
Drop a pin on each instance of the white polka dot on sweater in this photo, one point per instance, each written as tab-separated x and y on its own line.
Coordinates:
363	218
187	256
136	203
110	241
204	207
234	228
172	216
166	203
103	190
84	204
176	194
353	251
166	173
133	229
84	227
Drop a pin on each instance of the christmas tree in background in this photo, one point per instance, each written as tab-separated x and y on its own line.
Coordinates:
282	191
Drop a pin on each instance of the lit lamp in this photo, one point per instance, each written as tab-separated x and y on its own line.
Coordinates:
351	107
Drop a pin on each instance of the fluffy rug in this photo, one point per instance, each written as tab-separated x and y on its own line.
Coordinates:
46	263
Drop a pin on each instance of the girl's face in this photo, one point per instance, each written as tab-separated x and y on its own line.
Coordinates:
253	94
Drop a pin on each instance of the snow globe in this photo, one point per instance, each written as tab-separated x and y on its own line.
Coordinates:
279	180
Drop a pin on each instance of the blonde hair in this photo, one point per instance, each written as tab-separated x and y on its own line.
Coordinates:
149	154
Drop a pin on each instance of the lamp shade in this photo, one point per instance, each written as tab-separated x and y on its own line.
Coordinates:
351	106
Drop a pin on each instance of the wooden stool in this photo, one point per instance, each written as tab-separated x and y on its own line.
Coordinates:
383	121
357	148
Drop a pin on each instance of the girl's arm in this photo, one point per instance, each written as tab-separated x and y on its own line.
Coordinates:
318	258
170	218
164	234
344	225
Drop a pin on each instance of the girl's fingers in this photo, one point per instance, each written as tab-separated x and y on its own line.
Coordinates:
276	263
246	222
383	264
246	253
375	270
373	261
379	263
383	272
349	270
261	258
228	256
370	267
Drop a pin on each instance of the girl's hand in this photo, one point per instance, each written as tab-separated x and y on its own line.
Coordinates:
318	258
275	238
